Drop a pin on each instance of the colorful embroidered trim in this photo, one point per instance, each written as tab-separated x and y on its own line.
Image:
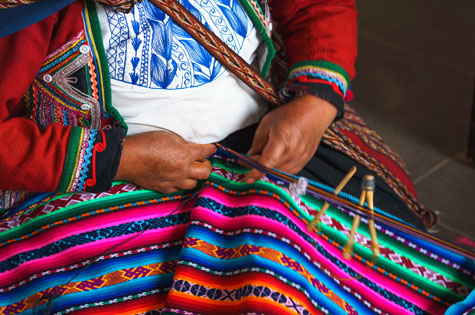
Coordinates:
85	158
78	158
324	72
102	84
98	147
52	98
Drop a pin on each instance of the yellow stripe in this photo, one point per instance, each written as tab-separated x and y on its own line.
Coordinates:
65	51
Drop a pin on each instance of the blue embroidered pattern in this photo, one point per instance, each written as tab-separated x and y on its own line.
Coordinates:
118	48
148	49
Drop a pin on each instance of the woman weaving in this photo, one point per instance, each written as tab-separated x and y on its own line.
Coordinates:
113	109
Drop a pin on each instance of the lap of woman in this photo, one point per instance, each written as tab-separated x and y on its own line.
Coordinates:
224	248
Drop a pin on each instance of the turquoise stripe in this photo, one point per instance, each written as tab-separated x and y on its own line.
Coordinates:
103	294
269	242
196	255
340	84
93	271
463	306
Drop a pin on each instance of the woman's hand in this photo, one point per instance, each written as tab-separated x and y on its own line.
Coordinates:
163	161
288	136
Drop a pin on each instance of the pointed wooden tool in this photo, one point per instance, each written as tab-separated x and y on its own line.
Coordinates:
348	248
326	205
369	199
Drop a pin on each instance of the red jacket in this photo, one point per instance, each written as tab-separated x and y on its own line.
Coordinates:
58	129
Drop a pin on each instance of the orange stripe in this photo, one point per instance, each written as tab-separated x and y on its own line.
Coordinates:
241	280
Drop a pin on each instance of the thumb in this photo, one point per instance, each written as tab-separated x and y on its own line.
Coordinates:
201	151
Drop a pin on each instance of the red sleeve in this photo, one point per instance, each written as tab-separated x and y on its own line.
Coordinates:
30	159
320	42
57	157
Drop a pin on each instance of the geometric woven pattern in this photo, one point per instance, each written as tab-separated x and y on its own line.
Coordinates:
228	248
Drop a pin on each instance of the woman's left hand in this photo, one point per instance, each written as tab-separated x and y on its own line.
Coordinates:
288	136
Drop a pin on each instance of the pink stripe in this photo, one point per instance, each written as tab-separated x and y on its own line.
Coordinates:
254	221
91	223
226	223
80	253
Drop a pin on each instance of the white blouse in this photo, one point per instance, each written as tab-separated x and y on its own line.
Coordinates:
162	79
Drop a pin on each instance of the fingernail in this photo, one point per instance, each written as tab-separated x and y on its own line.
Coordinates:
250	181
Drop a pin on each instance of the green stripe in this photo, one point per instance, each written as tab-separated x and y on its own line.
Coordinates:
410	253
231	167
323	64
78	209
104	76
259	185
69	166
402	272
385	240
337	236
261	28
421	282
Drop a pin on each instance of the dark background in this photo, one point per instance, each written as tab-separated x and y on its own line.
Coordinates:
415	85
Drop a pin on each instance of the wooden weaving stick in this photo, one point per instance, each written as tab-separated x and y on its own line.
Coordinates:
372	229
326	205
348	249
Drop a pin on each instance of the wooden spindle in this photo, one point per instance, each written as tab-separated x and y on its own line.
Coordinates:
372	230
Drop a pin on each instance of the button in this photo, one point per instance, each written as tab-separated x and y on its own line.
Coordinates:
84	49
85	106
47	78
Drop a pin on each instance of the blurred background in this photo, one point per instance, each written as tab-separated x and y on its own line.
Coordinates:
415	86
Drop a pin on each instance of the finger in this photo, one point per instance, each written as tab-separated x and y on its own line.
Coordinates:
260	139
201	151
166	189
254	174
271	157
254	157
187	184
295	162
273	152
200	169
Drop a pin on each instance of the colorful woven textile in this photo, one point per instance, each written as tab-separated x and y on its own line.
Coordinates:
225	248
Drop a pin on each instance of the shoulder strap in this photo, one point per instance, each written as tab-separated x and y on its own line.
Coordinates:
218	49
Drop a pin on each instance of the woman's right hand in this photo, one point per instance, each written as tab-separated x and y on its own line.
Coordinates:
163	161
